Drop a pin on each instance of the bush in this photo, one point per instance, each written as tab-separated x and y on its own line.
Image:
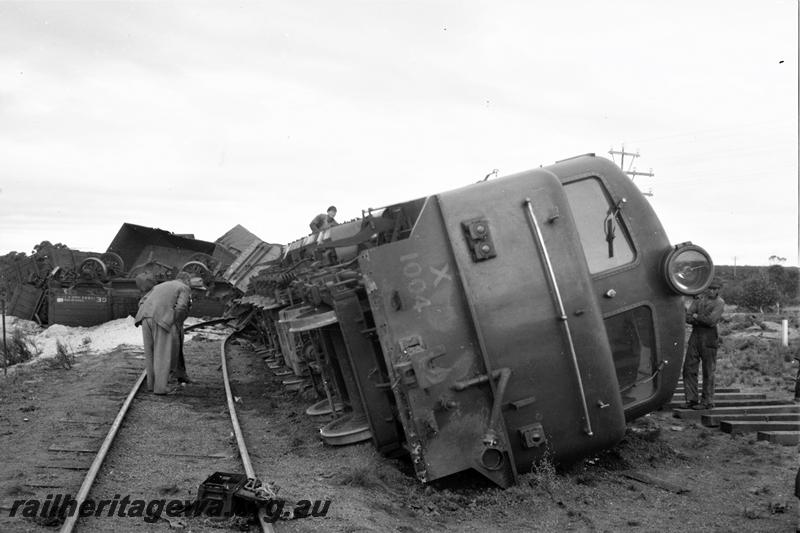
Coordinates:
732	294
20	348
786	281
65	356
758	293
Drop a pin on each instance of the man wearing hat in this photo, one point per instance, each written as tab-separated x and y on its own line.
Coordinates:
161	314
324	221
703	314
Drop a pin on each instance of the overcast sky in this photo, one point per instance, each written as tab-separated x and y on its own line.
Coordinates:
197	116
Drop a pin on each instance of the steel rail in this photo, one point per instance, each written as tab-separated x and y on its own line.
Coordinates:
69	523
266	527
208	323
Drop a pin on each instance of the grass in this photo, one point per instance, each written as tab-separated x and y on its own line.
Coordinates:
752	361
20	348
360	476
544	475
65	355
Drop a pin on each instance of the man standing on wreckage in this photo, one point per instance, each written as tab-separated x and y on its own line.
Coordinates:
161	314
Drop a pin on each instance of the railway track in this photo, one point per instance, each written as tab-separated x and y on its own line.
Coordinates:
122	457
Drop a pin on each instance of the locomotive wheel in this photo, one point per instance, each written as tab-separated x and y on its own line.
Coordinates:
348	429
93	268
114	263
323	407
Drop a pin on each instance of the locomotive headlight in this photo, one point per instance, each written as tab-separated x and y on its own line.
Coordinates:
688	269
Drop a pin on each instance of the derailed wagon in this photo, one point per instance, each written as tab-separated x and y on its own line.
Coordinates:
59	285
485	327
40	284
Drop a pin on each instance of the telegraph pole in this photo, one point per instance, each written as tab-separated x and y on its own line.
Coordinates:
630	172
5	347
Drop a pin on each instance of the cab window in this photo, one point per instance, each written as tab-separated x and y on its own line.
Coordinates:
604	238
633	346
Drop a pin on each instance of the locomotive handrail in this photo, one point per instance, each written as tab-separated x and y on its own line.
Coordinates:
649	378
562	312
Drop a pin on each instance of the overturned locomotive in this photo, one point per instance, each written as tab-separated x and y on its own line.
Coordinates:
487	326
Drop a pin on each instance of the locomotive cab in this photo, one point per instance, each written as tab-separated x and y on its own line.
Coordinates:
525	316
638	278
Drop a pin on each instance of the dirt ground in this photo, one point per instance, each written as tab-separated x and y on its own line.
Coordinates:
706	480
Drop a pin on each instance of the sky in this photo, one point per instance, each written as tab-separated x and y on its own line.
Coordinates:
196	116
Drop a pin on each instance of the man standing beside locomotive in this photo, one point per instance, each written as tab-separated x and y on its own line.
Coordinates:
161	312
703	314
324	221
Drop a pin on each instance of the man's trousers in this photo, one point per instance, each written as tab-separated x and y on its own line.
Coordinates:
702	350
158	354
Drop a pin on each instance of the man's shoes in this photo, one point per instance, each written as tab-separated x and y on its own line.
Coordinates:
689	405
797	399
699	407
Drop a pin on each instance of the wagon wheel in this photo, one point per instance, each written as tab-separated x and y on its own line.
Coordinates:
196	268
114	263
93	268
206	259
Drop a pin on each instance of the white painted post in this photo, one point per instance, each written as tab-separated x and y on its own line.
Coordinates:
784	333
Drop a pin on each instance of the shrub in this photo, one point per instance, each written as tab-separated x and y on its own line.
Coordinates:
758	293
20	348
65	356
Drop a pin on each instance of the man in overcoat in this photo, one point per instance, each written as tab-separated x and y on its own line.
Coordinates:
161	314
